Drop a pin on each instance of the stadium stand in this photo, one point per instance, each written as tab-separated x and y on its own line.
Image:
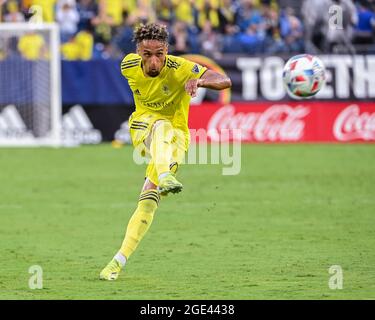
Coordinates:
101	29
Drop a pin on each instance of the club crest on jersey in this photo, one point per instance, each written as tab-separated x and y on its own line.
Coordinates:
165	89
137	92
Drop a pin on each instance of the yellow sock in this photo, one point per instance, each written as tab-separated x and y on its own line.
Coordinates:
140	221
161	146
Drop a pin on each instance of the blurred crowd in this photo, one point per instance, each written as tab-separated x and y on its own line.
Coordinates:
103	28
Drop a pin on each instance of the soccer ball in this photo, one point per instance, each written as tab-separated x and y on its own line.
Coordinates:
304	76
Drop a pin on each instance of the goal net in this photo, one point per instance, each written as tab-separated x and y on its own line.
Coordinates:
30	85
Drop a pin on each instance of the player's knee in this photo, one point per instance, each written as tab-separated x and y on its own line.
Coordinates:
149	186
149	198
165	128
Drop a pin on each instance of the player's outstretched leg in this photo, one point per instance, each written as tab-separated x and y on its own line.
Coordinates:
138	225
161	152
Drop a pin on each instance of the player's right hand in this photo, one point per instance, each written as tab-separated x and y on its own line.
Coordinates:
191	87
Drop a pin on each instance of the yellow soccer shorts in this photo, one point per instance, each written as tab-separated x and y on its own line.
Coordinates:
140	127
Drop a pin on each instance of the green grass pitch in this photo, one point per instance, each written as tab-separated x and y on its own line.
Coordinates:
271	232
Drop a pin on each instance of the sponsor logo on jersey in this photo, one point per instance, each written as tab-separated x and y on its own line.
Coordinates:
158	105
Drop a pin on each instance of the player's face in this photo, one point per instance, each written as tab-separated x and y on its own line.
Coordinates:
153	54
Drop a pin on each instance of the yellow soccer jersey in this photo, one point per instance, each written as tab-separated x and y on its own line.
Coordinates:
165	94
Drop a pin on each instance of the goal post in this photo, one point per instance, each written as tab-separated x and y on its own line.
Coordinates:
30	84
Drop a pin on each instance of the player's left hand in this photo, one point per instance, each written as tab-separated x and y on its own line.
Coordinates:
192	86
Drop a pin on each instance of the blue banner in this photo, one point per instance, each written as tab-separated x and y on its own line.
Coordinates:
96	82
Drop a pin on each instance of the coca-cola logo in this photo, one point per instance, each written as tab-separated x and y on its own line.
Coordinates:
350	124
279	122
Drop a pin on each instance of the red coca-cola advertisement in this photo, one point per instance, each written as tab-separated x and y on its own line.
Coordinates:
312	121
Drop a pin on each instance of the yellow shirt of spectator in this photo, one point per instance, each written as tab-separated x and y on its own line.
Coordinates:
184	10
114	9
31	46
71	51
47	7
130	6
213	16
163	10
85	41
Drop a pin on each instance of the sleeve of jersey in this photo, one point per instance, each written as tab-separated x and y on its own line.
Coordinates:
129	63
194	70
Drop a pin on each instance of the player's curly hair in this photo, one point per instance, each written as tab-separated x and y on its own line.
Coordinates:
151	31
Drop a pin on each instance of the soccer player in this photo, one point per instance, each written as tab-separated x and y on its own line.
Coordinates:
162	86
